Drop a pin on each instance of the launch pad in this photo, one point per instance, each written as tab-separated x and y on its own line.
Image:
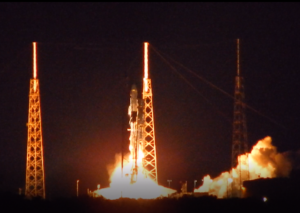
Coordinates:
138	177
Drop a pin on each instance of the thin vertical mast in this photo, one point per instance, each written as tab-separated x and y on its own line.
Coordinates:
145	66
238	57
34	61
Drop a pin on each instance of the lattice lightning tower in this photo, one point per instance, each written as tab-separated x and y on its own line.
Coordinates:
239	139
35	178
149	160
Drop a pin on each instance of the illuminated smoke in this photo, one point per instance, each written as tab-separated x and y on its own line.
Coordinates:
264	162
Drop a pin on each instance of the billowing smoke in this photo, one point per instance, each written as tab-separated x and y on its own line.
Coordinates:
262	162
265	161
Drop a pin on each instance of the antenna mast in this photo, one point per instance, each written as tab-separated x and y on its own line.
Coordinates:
239	139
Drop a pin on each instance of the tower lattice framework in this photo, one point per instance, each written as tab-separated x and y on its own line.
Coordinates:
239	139
35	178
149	160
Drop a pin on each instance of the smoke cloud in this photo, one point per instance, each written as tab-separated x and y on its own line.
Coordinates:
262	162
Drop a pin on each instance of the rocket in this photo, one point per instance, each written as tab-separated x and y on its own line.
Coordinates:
133	122
133	108
136	122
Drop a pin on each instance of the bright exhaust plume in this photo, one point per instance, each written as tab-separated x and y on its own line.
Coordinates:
121	185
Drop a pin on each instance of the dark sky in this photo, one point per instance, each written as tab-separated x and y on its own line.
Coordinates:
89	54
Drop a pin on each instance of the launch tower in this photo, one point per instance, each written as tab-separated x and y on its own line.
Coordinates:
149	160
35	182
239	139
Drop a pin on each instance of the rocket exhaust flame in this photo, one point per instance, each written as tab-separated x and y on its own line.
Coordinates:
143	187
264	162
135	183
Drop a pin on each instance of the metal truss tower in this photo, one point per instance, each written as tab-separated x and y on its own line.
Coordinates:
35	178
239	139
149	147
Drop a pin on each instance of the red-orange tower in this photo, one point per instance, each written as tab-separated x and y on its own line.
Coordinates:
35	178
149	147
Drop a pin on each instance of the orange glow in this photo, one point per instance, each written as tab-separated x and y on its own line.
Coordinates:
264	162
120	186
133	181
145	65
34	61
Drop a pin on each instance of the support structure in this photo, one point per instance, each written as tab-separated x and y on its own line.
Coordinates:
35	178
149	146
239	139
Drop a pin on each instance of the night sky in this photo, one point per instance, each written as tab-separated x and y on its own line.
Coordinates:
89	55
